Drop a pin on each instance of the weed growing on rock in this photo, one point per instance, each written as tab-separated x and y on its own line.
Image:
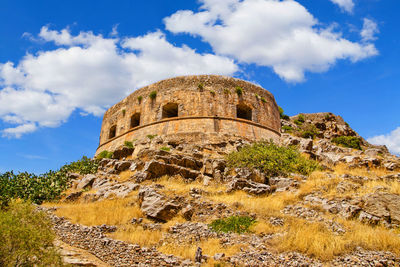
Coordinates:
272	159
104	155
239	91
165	148
300	119
235	224
153	95
263	100
128	144
151	136
140	98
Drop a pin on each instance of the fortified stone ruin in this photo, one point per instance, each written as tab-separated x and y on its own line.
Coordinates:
192	109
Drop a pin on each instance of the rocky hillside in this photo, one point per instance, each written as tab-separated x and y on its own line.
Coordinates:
156	203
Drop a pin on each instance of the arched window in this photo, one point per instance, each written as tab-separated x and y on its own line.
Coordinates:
243	112
113	132
135	120
170	110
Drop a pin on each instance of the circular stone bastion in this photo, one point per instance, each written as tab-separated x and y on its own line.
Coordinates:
199	109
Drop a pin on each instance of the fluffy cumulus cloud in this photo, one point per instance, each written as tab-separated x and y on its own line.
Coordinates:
369	30
391	140
89	72
345	5
282	35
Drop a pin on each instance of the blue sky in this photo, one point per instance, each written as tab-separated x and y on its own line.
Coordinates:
62	63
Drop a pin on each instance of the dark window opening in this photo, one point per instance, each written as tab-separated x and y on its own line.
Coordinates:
135	120
113	132
243	112
170	110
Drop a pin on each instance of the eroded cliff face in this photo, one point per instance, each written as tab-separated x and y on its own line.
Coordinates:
198	109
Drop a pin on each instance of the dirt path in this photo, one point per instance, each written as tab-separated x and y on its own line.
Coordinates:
78	257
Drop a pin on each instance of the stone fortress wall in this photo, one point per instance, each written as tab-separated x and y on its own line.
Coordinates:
194	109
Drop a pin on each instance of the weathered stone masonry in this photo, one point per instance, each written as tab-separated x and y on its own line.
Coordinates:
195	109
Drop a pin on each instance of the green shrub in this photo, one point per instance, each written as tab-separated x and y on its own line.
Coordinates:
151	136
212	92
26	237
300	120
235	224
281	114
287	128
263	99
123	112
104	155
165	148
227	91
327	117
348	141
153	95
309	131
45	187
83	166
140	98
308	134
239	90
257	96
271	159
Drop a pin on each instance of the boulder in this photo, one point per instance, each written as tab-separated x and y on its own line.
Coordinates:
155	205
248	186
123	152
87	181
384	206
73	196
122	165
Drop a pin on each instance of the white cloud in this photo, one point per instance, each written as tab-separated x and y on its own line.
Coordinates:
18	131
89	72
391	140
369	30
282	35
345	5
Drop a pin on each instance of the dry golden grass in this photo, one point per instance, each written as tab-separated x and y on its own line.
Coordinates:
318	181
125	175
371	186
370	173
210	247
265	205
137	235
262	227
111	212
310	238
314	239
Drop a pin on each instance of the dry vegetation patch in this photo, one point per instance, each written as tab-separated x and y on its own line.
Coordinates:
110	211
135	234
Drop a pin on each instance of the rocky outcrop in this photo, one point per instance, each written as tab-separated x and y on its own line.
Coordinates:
157	206
381	207
248	186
